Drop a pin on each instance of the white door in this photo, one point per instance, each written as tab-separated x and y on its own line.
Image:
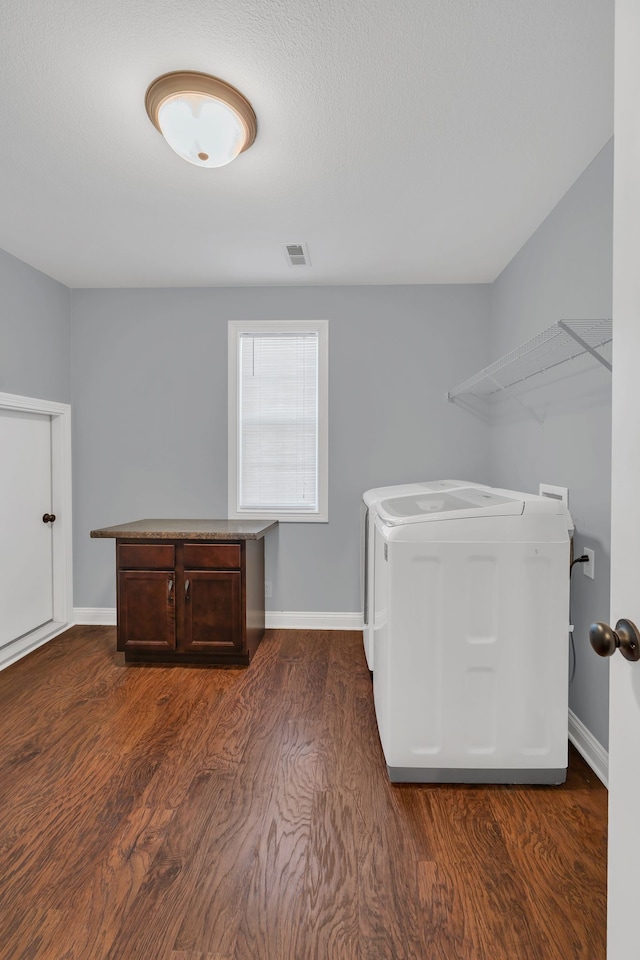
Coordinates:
624	739
26	565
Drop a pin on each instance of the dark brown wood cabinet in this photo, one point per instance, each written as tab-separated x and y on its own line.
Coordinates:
198	602
189	591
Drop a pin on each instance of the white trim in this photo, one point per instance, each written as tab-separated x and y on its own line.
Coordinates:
23	645
301	620
61	505
590	748
275	619
101	616
11	401
235	329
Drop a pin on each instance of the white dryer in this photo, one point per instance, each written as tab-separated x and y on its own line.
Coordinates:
471	636
370	499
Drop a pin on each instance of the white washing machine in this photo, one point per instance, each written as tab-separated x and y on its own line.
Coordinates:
471	626
370	499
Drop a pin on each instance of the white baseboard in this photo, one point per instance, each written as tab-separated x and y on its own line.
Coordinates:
590	748
102	616
274	619
31	641
294	620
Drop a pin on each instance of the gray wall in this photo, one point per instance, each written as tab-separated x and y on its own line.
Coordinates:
148	382
150	415
35	329
564	271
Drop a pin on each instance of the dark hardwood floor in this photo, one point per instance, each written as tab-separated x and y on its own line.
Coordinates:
190	813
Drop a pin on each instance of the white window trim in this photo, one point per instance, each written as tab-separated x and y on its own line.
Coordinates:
236	329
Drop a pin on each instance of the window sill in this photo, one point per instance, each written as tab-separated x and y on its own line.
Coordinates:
280	517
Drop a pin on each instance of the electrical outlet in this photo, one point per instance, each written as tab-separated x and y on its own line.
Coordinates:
587	568
267	590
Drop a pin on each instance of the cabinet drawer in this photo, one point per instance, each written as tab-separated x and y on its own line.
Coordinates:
212	556
146	556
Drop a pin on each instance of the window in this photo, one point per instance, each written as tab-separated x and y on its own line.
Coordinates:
278	420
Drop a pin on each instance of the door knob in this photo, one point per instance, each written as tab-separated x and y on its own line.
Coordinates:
48	517
605	641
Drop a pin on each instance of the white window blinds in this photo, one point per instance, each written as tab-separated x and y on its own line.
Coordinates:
278	425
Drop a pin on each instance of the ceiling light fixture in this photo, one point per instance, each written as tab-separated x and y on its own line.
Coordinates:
205	120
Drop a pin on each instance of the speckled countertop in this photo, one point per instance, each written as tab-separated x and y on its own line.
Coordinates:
188	530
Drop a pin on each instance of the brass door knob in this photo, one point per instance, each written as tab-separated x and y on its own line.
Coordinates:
625	638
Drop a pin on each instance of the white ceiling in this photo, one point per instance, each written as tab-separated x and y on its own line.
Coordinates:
415	141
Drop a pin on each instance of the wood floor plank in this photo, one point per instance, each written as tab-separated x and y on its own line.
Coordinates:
301	683
31	933
303	644
202	747
552	835
106	895
257	756
274	776
197	873
80	648
200	814
347	684
275	890
444	926
227	743
62	687
196	955
391	918
125	743
467	841
329	926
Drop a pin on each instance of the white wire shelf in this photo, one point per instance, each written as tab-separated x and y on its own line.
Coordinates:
561	343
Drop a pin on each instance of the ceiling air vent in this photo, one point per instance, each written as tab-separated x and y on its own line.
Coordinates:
297	254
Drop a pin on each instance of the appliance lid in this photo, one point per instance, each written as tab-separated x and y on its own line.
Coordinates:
448	505
376	494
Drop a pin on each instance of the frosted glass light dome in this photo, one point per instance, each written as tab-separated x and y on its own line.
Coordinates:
201	130
205	120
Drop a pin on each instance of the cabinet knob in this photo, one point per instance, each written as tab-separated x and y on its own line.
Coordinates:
170	591
48	518
625	638
187	595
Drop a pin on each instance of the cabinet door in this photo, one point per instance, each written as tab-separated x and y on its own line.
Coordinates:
213	611
146	610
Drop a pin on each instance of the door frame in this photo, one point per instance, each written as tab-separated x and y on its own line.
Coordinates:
61	505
